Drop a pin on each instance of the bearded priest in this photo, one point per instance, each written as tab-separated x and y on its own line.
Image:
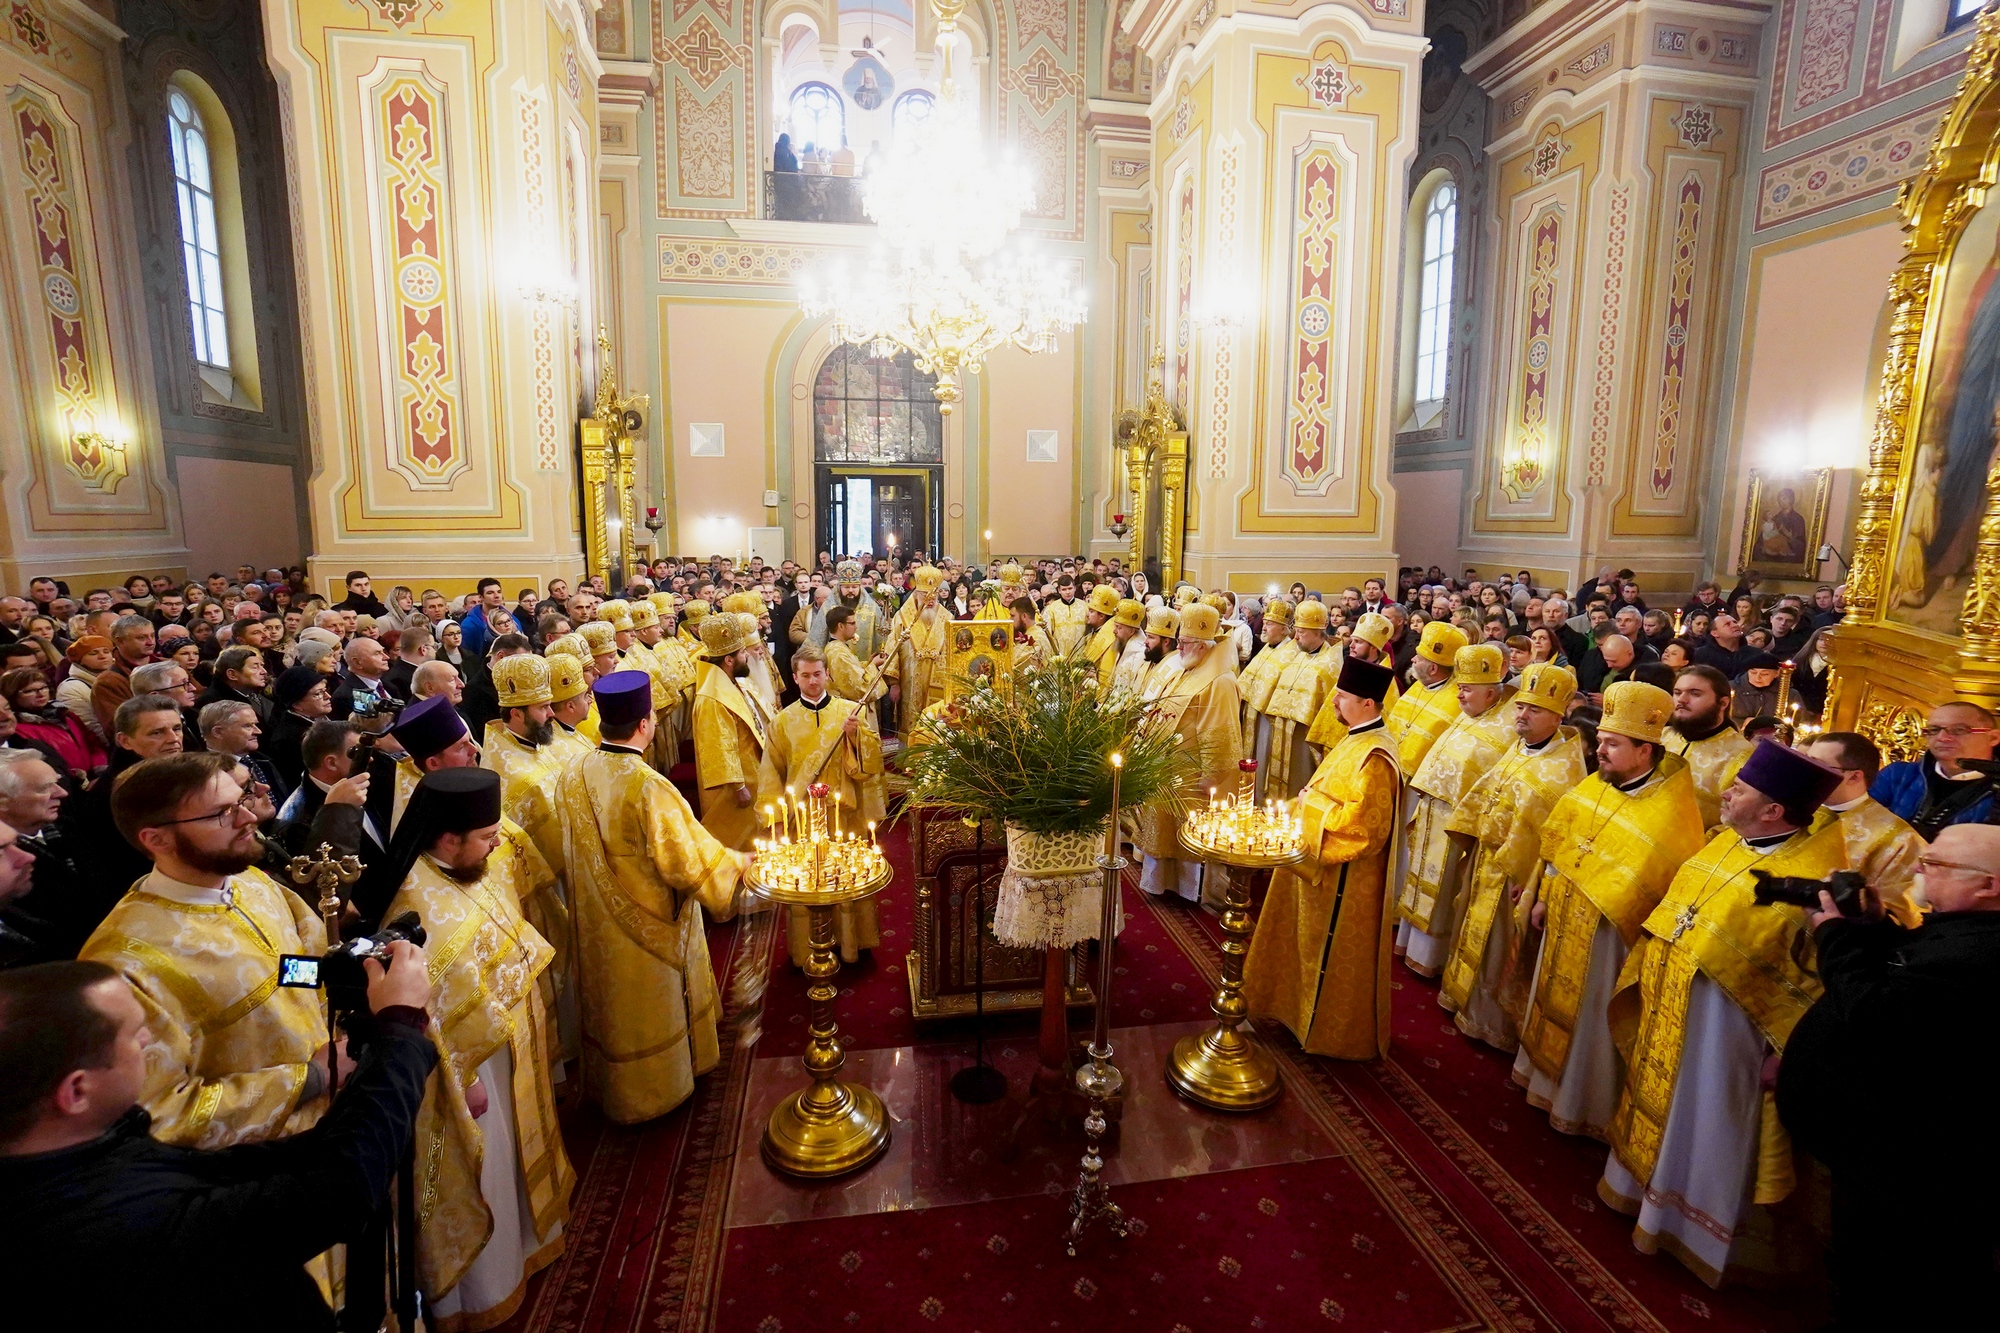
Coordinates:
1319	962
1609	849
1128	623
1201	708
1100	643
1429	896
1421	714
1709	994
821	738
1702	735
644	873
917	671
1486	981
729	731
1163	659
497	1183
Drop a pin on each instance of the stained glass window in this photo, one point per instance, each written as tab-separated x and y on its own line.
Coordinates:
911	110
1434	293
875	409
201	251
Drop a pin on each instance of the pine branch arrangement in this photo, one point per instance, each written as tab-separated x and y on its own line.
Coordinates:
1040	759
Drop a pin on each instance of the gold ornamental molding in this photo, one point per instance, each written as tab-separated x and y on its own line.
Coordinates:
1923	592
609	439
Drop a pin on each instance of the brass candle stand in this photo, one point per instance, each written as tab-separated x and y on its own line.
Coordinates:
829	1127
1100	1080
1225	1068
329	874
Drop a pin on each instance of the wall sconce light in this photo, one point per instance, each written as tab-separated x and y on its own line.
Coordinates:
98	457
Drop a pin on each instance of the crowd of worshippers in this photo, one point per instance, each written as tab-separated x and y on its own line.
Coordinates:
565	789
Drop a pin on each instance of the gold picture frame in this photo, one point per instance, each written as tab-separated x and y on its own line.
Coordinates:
1784	523
1923	591
976	649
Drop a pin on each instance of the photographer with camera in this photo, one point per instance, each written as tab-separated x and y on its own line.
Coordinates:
234	1057
363	687
1940	789
1902	1047
336	779
1714	985
128	1231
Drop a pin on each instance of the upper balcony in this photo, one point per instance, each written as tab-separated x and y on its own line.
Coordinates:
796	196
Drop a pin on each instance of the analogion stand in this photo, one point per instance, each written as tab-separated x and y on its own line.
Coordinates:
829	1127
1225	1068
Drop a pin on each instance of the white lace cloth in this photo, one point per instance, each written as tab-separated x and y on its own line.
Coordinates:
1055	912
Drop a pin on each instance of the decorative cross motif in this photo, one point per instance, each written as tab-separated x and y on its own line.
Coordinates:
1697	126
702	51
1042	82
1547	159
1327	85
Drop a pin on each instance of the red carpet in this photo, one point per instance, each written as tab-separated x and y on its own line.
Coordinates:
1452	1204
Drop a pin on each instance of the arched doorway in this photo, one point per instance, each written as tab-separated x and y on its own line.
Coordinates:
878	453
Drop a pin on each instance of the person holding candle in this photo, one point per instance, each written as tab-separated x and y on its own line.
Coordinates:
729	731
1201	707
1428	898
1486	979
644	876
1319	961
824	739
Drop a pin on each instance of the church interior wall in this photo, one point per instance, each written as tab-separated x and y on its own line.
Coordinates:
1852	91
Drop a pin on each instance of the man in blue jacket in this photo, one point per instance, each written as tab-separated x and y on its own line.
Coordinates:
1937	791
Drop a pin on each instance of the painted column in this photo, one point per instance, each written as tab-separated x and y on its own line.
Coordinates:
1281	142
443	184
88	497
1616	170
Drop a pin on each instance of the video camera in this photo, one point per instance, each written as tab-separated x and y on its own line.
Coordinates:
338	971
1847	889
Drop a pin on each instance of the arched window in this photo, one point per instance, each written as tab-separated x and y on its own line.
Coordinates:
869	408
818	117
1434	294
910	111
201	246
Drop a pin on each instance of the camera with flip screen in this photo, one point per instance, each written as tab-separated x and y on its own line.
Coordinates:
338	971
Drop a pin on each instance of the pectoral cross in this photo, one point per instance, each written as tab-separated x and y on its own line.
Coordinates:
1683	922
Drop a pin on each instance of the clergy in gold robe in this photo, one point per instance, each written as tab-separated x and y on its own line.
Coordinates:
234	1057
1369	642
1319	961
570	702
692	615
645	876
1420	715
1710	991
1701	734
1284	755
673	675
1163	659
729	732
1032	645
1486	981
1429	895
764	683
917	644
1201	706
821	738
1065	618
1128	623
497	1182
1609	849
1880	846
851	595
849	676
1258	681
1100	643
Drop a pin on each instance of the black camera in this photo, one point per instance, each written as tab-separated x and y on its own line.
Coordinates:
1845	887
338	971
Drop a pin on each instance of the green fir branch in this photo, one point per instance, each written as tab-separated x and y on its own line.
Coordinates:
1040	757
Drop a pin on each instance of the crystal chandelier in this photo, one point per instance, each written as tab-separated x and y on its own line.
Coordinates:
947	279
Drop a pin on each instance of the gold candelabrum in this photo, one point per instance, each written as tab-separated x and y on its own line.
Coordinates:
609	439
813	858
1224	1067
329	874
1156	453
